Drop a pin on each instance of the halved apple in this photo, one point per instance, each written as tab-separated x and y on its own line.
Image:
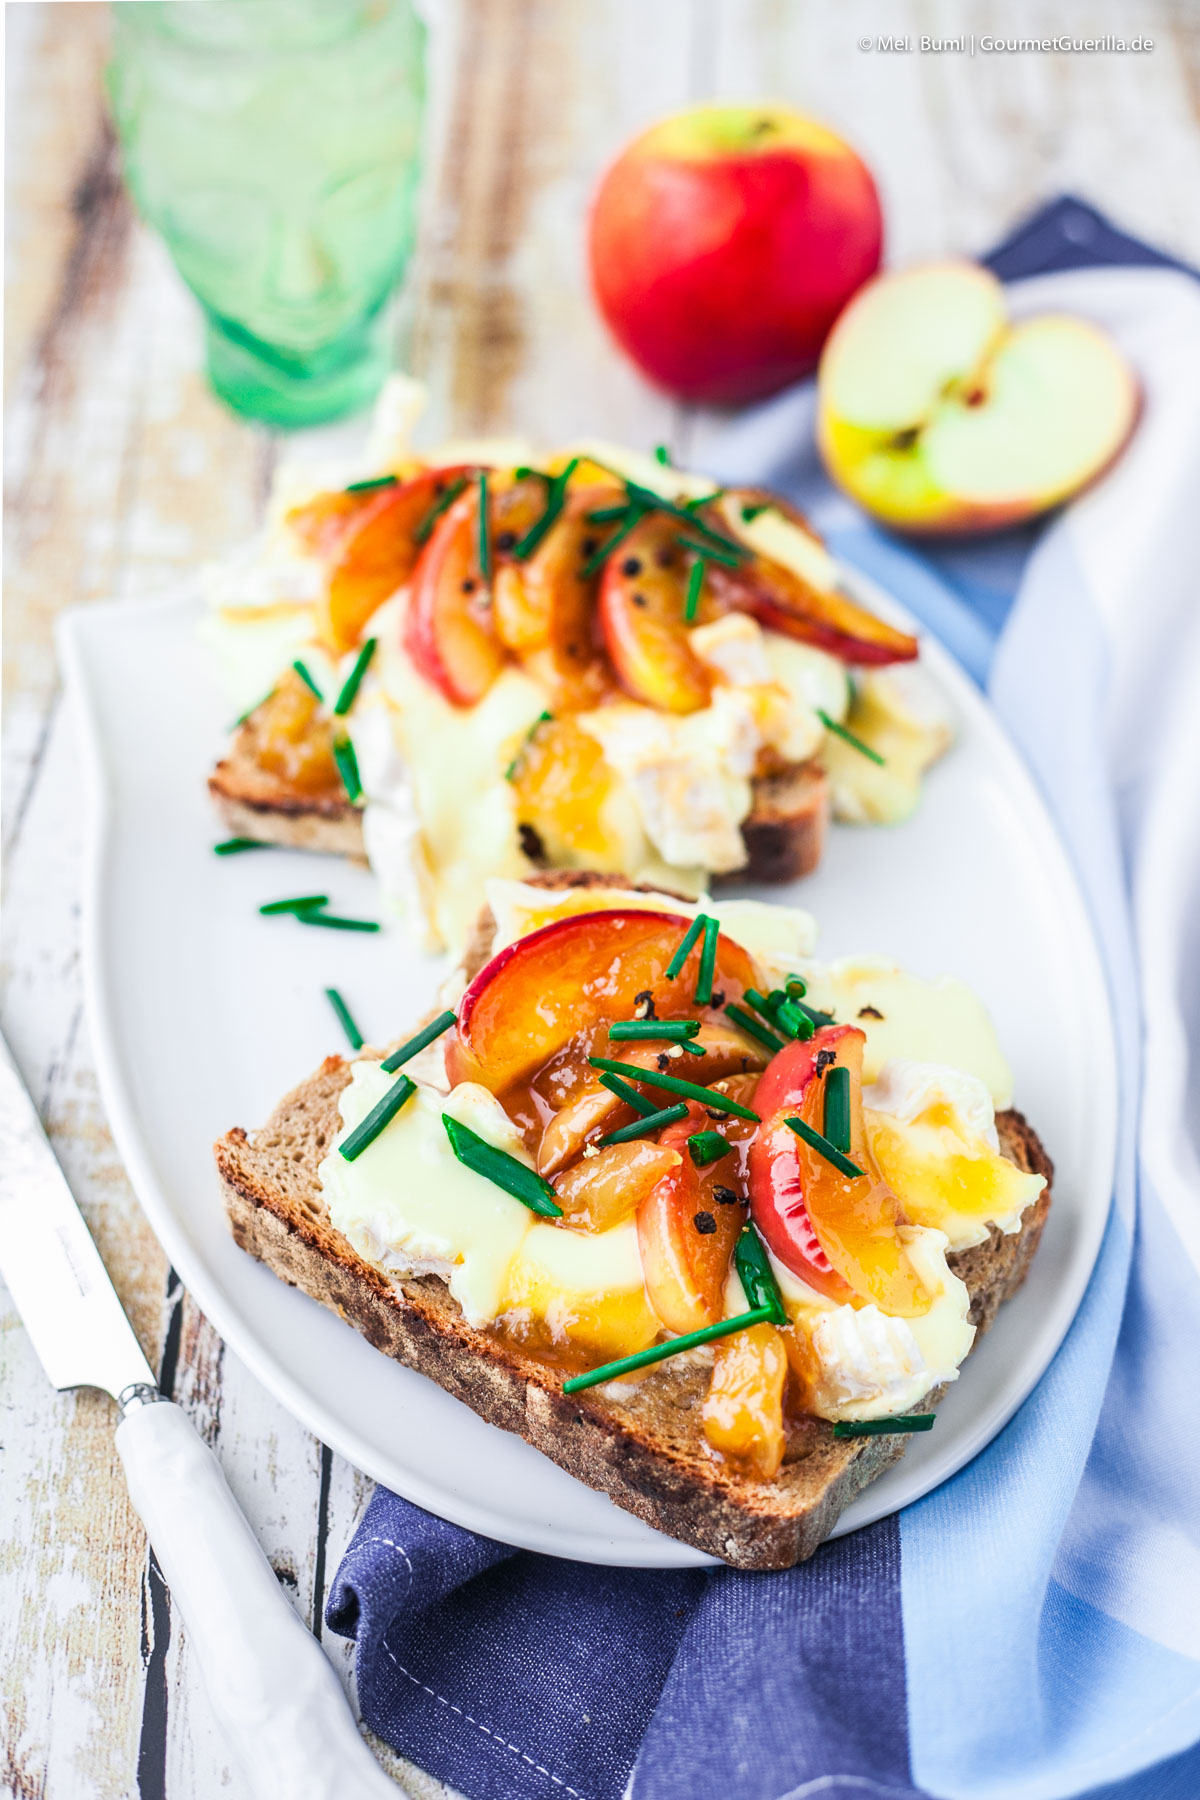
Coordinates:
686	1235
937	413
538	993
836	1231
642	597
448	628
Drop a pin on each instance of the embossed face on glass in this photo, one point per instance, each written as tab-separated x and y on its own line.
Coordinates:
277	150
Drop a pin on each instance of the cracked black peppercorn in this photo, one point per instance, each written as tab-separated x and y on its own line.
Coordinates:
705	1223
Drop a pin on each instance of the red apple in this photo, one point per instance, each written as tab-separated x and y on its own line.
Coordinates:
724	242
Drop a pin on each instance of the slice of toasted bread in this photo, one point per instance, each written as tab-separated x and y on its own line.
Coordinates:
646	1450
784	834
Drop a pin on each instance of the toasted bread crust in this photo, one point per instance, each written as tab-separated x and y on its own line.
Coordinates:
646	1450
784	834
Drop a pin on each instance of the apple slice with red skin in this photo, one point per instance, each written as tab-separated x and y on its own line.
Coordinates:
448	629
836	1232
369	542
538	993
686	1234
642	597
782	600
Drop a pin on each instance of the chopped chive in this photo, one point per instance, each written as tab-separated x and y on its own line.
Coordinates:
749	1024
688	1090
345	1017
848	737
633	516
659	1352
654	1121
695	582
439	506
852	1428
692	1049
758	1277
307	679
663	455
545	718
353	681
347	762
837	1107
752	508
332	922
794	1020
684	951
523	472
628	1094
674	1029
693	506
485	542
232	846
824	1148
367	487
302	903
381	1114
811	1012
705	1147
649	501
713	550
516	1178
796	987
426	1035
556	493
708	962
604	515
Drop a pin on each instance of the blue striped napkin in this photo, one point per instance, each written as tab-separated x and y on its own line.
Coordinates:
1032	1629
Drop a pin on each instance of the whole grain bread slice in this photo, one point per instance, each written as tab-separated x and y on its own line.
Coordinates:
645	1449
784	834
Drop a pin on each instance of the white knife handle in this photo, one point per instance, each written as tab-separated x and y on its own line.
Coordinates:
274	1691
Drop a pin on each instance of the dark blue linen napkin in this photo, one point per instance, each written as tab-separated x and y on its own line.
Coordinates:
516	1677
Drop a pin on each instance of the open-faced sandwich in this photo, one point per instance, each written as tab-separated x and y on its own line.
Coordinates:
709	1223
472	665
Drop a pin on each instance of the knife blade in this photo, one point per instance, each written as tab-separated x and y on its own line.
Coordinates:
272	1687
51	1265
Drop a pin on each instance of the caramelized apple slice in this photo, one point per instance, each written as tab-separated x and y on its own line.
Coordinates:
533	997
290	738
726	1052
838	1232
599	1191
545	607
687	1227
642	598
743	1410
370	543
787	601
448	628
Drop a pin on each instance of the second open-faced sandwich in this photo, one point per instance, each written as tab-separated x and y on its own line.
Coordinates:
485	661
709	1223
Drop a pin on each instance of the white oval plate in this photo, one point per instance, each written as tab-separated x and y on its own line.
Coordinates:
205	1014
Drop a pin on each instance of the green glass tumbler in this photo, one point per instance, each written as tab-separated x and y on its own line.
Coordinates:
276	145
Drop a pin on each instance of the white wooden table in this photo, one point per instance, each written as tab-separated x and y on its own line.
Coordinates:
123	472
